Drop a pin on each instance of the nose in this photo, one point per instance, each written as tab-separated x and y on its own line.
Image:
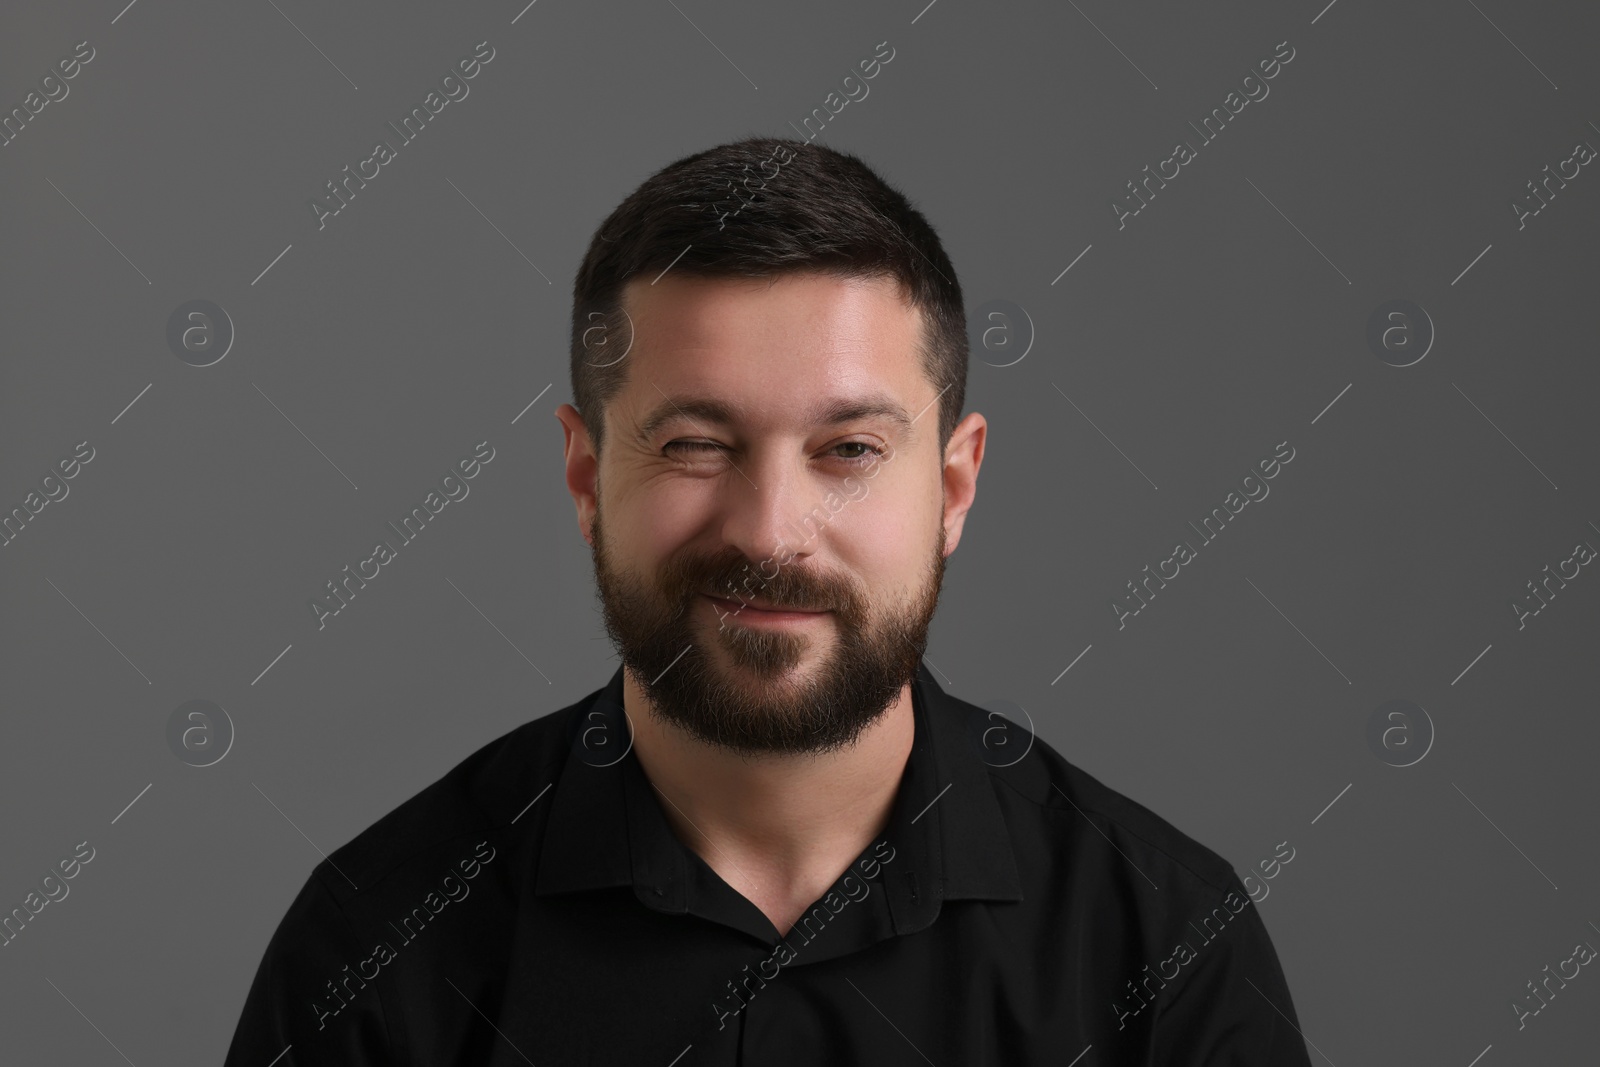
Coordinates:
768	513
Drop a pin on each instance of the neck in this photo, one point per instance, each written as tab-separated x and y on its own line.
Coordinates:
776	827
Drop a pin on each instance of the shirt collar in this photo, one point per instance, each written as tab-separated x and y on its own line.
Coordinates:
606	826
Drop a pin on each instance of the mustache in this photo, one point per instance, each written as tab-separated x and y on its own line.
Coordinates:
732	576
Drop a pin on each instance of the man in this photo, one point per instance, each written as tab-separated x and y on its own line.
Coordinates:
771	838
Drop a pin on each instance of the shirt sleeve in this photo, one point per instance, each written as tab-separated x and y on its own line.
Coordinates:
1233	1008
308	994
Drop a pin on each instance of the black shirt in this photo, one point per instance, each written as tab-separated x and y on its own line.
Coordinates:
533	906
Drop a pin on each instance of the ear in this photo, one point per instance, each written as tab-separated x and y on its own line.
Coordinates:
582	467
962	458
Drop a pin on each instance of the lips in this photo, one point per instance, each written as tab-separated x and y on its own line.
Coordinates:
765	607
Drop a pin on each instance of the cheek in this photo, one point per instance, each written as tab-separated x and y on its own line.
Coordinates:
654	520
887	537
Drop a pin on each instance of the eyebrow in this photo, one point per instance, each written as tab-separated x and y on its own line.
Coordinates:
722	413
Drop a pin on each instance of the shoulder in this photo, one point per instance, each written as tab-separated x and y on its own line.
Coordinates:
1056	809
477	800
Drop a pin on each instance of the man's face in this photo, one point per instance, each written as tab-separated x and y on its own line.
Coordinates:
734	482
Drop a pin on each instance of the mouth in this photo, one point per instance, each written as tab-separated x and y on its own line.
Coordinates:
755	612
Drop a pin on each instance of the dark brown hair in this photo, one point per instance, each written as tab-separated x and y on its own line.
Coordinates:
759	208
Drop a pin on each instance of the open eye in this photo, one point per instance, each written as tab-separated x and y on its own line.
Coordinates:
869	452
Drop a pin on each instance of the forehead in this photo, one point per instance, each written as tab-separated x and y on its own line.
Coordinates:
771	347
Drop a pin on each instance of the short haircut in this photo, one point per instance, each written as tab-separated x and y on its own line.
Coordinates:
763	207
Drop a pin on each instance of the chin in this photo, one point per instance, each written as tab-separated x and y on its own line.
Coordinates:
729	667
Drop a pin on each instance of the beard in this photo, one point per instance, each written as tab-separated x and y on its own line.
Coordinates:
738	687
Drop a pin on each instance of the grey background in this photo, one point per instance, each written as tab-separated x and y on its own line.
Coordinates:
1226	317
